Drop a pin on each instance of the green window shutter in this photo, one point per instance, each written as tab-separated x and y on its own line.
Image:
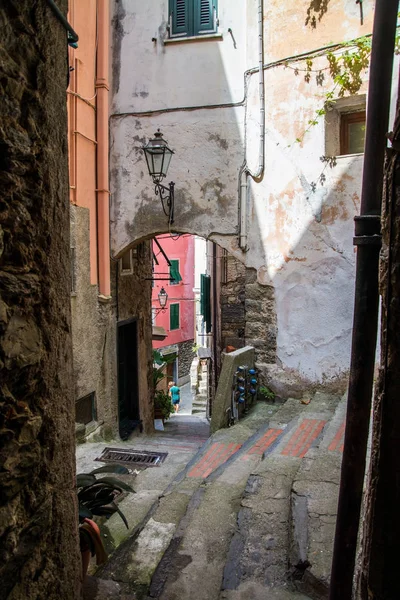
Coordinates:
173	316
181	20
175	276
203	12
205	300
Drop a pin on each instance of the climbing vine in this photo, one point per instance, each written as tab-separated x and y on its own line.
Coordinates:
345	67
345	70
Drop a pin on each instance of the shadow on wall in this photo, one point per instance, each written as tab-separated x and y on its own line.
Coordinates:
312	271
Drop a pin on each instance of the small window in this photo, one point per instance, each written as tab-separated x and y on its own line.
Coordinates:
125	263
352	132
192	17
85	409
175	276
173	316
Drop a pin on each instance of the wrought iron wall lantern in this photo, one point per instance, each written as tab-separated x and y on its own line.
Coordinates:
158	156
162	299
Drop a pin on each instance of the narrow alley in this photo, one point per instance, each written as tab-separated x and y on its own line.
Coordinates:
199	300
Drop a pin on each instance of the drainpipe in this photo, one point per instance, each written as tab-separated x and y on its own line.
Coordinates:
103	212
365	323
245	172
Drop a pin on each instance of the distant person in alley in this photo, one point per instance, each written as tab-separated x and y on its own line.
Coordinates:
175	395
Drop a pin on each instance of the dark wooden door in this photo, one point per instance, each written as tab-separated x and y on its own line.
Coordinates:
128	370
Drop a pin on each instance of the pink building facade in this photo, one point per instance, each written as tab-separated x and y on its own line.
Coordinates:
178	320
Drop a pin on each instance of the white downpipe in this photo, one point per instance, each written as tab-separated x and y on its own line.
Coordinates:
245	171
261	160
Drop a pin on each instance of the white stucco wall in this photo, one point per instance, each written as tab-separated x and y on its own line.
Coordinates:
299	241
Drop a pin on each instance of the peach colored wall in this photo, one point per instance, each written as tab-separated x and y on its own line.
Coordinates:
87	20
182	293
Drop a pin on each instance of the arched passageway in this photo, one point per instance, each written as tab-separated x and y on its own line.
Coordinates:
195	300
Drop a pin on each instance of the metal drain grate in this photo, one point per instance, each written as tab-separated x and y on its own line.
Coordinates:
136	458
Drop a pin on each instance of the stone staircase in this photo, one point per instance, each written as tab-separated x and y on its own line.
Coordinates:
200	399
252	514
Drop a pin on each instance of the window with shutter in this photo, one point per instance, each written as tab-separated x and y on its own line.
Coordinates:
175	276
173	316
192	17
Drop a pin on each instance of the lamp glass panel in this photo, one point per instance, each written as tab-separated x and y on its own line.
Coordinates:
162	298
156	158
167	159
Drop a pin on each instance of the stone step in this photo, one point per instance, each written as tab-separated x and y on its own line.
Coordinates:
202	401
259	550
254	501
194	564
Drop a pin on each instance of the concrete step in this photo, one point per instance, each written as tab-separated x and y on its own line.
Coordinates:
259	550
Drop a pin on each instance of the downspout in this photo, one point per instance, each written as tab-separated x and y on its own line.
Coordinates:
245	172
365	323
102	190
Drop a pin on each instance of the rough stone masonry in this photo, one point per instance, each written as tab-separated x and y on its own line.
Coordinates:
39	555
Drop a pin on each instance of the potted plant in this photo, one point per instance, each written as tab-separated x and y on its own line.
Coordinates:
163	407
97	497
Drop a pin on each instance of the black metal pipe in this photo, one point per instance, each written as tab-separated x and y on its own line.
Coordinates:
366	301
73	36
162	251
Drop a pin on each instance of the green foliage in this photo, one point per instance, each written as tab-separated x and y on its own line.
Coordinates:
97	496
163	403
158	372
266	394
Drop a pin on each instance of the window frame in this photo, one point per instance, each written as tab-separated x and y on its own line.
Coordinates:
122	270
173	281
346	119
178	315
192	27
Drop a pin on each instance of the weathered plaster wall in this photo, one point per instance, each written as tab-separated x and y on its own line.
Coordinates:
299	240
93	331
182	249
134	300
38	519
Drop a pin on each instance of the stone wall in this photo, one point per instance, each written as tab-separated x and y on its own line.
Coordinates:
133	295
232	302
93	331
38	522
261	320
185	359
248	311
